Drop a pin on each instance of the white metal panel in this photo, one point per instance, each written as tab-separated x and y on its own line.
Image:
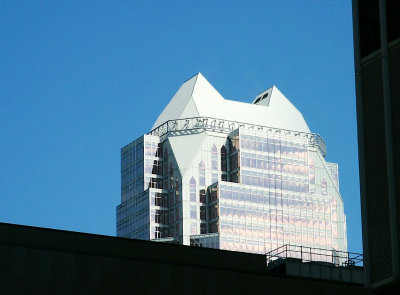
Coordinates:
197	97
178	103
185	148
190	110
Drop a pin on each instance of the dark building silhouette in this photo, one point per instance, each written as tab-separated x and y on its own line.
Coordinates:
45	261
377	67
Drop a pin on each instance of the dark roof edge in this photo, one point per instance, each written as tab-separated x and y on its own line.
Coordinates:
109	246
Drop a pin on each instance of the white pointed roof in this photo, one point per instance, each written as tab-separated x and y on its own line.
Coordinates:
198	98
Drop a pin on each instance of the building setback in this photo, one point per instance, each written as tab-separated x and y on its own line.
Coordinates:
229	175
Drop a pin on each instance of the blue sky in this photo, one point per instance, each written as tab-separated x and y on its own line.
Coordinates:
81	79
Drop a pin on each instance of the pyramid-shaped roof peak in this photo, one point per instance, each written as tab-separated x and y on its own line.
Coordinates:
198	98
195	93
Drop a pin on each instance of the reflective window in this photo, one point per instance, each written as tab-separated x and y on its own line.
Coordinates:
203	213
324	186
234	143
202	196
193	212
165	162
213	194
223	159
203	228
171	176
311	171
192	190
214	157
177	191
202	173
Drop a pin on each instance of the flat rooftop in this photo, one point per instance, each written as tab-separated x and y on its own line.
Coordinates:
49	260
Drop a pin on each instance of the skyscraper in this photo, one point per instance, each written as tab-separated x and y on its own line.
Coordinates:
230	175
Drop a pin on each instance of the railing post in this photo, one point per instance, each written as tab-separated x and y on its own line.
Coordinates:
286	250
301	253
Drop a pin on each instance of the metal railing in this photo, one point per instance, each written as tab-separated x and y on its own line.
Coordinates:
199	124
308	254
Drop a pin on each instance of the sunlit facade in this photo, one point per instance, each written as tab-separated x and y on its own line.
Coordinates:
230	175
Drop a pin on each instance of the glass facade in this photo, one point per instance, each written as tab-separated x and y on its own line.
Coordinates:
244	191
223	184
144	209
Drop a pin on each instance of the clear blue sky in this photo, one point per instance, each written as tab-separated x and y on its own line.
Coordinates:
81	79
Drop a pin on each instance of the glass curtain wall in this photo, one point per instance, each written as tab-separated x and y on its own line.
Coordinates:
254	192
288	195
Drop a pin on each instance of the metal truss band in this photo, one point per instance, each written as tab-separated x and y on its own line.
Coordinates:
200	124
